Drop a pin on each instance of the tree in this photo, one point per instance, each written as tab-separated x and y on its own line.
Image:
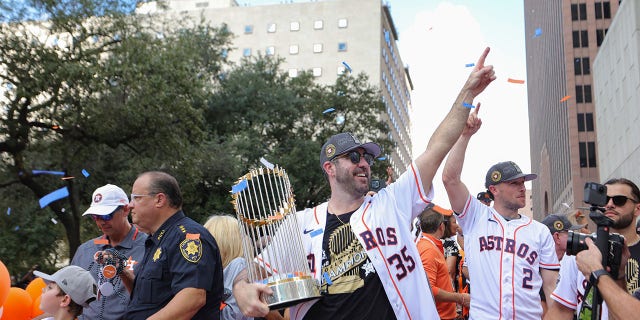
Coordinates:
93	87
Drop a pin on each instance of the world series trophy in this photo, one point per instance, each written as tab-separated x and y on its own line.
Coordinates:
266	211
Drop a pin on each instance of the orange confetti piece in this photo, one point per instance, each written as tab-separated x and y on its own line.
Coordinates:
565	98
515	81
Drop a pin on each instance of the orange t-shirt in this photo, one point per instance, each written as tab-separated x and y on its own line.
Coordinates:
432	256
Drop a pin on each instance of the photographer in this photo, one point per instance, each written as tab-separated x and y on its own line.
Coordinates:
622	206
621	305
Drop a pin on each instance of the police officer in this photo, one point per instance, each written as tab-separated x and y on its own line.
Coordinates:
180	276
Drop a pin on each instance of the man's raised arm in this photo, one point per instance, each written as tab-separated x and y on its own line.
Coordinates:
450	128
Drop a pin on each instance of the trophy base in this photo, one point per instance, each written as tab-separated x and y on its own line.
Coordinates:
291	291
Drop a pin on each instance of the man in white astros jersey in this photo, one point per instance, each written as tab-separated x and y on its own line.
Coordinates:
360	248
513	255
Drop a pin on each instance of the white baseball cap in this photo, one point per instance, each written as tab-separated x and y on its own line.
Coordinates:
74	281
106	200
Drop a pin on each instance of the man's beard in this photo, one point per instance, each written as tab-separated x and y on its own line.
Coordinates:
624	221
348	180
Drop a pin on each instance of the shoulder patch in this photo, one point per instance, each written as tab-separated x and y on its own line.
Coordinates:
191	249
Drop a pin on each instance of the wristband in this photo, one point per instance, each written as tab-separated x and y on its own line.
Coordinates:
595	276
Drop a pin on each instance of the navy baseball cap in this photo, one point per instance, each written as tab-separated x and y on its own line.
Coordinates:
558	223
505	171
342	143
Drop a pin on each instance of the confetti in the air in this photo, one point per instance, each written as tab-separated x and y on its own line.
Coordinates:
468	105
346	65
37	172
9	211
383	158
239	186
54	221
266	163
469	65
327	278
515	81
53	196
565	98
538	32
67	178
329	110
85	173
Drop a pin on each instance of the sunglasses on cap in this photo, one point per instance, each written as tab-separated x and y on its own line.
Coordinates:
355	156
107	217
620	200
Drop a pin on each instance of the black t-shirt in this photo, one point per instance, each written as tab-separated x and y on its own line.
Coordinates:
350	287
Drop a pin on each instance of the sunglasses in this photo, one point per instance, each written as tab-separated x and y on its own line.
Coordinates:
355	157
107	217
619	200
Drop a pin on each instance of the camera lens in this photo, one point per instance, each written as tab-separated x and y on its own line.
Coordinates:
576	242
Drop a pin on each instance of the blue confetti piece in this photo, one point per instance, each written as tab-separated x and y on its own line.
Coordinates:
85	173
53	196
239	186
469	65
16	228
315	233
468	105
538	32
57	173
327	278
382	158
9	211
328	111
344	63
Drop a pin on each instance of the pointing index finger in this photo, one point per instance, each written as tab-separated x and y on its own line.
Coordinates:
482	58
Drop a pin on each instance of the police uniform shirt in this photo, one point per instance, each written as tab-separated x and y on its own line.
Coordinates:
110	307
181	254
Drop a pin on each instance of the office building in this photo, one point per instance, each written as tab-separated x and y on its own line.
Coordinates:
562	40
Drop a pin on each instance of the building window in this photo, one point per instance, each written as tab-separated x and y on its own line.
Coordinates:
293	73
342	46
343	23
271	50
600	33
580	122
317	72
603	10
591	154
318	24
248	29
578	12
317	47
293	49
580	39
583	94
246	52
271	27
588	119
583	154
294	26
581	66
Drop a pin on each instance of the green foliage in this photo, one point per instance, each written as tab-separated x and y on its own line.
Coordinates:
118	95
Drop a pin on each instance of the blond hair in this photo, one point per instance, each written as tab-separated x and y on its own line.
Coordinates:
226	231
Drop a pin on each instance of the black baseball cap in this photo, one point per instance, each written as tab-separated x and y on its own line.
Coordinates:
558	223
342	143
506	171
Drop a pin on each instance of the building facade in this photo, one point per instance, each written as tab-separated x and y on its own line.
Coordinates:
327	38
616	74
563	38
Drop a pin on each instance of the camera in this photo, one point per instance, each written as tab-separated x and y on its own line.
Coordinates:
376	185
576	243
595	194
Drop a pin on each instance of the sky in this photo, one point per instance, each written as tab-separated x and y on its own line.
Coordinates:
436	40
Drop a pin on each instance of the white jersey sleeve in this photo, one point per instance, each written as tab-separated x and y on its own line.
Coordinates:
570	288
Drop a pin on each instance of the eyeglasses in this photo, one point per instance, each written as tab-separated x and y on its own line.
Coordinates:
355	156
620	200
136	197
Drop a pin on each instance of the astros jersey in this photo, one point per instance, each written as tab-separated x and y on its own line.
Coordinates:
382	226
506	260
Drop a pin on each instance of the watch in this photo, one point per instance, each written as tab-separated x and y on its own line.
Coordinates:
593	279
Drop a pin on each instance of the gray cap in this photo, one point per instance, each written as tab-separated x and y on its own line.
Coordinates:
74	281
558	223
342	143
505	171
